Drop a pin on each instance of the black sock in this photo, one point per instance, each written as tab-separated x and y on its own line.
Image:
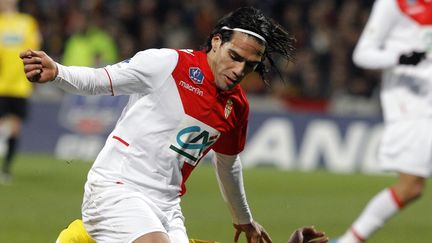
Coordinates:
12	143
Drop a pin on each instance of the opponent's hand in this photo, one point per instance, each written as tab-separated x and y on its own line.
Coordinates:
308	235
254	232
38	66
412	58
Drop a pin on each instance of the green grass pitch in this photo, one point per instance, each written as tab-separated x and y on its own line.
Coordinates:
46	196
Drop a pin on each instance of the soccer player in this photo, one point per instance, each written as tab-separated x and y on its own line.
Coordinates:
396	39
182	103
18	31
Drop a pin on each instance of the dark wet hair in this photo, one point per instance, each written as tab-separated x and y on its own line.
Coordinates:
278	40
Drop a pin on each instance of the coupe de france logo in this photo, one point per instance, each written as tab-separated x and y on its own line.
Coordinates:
196	75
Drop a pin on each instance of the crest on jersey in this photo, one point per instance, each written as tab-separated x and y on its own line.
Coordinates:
228	108
196	75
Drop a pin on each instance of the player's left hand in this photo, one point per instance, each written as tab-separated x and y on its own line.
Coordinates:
254	232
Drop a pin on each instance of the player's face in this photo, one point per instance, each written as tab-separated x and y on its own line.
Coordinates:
233	60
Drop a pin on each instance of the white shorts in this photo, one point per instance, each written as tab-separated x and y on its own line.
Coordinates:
118	213
406	147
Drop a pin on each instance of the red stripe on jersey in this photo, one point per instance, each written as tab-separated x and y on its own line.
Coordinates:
186	171
420	11
110	80
121	140
357	235
396	198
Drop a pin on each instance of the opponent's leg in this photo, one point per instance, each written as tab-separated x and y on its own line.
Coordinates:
383	206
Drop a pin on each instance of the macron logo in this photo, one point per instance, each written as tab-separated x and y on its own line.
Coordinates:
191	88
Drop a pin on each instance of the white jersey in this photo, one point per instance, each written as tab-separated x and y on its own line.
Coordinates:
174	116
398	27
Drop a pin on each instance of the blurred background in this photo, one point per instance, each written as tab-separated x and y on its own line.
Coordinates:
326	32
321	116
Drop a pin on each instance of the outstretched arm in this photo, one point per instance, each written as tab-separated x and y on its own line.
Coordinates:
145	72
40	68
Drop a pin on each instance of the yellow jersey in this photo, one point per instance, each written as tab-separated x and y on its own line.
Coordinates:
18	32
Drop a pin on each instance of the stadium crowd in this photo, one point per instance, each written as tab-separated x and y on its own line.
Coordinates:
323	78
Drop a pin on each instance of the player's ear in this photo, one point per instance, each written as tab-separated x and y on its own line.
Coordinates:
216	42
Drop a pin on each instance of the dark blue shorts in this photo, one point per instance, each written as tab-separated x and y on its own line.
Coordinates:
14	106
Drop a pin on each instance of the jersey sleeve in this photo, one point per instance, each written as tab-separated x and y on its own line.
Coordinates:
143	73
233	142
370	51
230	179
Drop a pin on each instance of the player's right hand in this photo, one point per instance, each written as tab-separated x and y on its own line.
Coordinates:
38	66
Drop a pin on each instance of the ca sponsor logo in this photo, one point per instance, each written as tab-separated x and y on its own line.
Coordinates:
192	142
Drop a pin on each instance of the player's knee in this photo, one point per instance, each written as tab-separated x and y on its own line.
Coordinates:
153	237
417	191
412	191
